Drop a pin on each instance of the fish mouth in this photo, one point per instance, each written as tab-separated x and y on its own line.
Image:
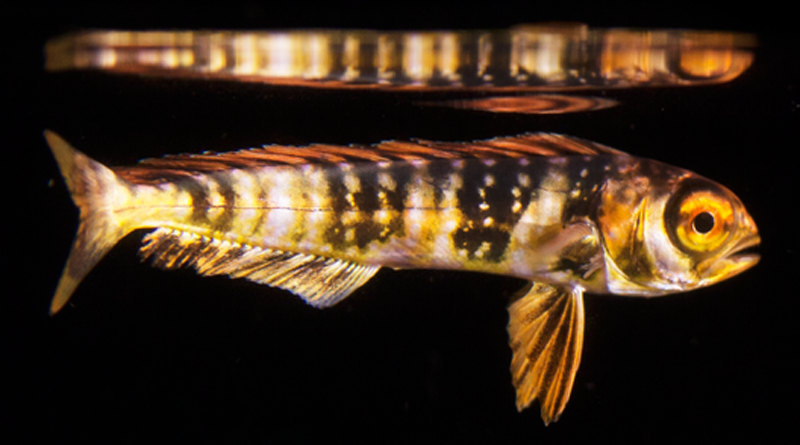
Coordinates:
740	258
745	250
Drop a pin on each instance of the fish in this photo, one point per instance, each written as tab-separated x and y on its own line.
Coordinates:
569	216
524	61
532	57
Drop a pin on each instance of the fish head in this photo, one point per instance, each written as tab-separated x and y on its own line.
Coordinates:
672	231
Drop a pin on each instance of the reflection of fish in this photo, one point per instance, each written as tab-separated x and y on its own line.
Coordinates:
531	58
566	214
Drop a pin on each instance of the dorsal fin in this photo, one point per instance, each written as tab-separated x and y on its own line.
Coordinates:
524	145
320	281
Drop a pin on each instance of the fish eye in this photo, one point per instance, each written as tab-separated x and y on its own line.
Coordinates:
699	219
703	222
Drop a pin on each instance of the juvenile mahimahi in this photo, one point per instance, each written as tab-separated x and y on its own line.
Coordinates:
570	216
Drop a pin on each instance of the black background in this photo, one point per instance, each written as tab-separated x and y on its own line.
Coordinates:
414	355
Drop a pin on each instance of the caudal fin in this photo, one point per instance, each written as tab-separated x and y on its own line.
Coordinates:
93	188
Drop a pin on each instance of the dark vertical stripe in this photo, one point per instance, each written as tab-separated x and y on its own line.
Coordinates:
494	202
439	172
367	202
199	196
335	231
224	222
366	199
261	202
588	185
401	172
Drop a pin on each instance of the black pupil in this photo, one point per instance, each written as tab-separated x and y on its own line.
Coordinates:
703	222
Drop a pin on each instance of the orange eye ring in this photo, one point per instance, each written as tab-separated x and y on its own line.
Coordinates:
703	221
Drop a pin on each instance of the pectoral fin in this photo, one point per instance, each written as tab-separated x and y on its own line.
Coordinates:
545	329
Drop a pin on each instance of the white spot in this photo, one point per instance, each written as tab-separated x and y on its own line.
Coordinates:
575	193
352	183
489	162
387	181
516	192
488	180
584	173
167	187
524	162
383	217
214	197
524	180
483	206
485	246
450	224
488	221
415	227
516	207
351	218
415	198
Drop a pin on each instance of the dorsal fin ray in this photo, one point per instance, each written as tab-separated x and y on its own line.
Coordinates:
320	281
524	145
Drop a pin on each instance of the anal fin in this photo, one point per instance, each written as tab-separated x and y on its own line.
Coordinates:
546	335
320	281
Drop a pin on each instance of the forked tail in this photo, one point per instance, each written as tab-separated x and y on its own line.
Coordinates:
94	189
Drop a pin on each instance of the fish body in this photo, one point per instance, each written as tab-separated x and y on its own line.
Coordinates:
510	63
568	215
534	57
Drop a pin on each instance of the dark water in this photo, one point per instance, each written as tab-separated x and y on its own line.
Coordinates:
413	355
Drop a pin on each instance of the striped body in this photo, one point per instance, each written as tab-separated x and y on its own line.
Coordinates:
531	57
489	215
